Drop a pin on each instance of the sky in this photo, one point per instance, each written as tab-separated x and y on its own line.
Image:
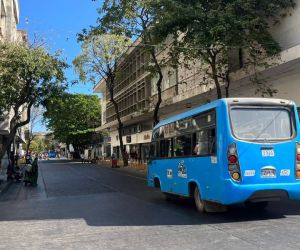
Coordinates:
57	22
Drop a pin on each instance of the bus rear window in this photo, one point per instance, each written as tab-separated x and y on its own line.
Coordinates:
261	124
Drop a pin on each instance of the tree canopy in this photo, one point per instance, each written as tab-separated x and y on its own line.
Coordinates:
134	19
209	30
99	60
28	76
73	118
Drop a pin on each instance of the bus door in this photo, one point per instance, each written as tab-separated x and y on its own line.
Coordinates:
162	164
265	151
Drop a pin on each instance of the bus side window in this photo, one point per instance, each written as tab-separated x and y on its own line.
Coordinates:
165	148
201	142
182	145
154	150
212	141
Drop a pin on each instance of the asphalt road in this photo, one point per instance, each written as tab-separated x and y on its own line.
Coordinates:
83	206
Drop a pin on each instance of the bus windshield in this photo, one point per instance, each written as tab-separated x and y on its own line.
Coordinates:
261	124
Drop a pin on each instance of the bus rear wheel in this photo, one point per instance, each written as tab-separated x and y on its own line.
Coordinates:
207	206
200	204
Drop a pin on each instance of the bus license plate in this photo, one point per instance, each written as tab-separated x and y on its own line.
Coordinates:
268	153
268	173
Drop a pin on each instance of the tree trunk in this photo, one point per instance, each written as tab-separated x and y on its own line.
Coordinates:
14	125
120	133
227	84
30	139
76	154
159	100
215	78
158	86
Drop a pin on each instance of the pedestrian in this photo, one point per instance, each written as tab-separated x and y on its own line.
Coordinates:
31	173
114	161
35	172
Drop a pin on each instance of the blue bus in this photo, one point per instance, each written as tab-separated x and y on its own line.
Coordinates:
230	151
52	154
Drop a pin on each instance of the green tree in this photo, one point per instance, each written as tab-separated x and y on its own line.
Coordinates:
209	30
35	117
28	76
134	18
73	118
99	61
37	145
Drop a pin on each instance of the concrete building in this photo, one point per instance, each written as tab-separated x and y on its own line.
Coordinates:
9	19
182	88
132	92
9	10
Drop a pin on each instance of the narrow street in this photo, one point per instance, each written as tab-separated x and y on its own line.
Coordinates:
84	206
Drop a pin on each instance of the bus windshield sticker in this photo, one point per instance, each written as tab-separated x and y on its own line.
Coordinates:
214	160
182	170
169	173
285	172
249	173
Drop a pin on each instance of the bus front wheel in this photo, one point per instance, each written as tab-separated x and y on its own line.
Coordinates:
200	204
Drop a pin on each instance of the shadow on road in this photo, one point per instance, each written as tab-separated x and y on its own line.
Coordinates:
111	198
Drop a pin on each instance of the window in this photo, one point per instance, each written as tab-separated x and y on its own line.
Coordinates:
165	149
204	142
155	134
200	142
154	150
187	137
261	123
183	145
204	120
212	141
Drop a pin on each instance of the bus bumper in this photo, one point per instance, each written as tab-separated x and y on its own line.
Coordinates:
238	193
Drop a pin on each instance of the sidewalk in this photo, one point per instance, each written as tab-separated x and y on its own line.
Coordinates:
4	185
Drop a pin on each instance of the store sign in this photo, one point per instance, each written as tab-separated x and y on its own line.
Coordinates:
147	137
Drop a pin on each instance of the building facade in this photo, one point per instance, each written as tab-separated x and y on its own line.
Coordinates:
183	87
9	19
132	93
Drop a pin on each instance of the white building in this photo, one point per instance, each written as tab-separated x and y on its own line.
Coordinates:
182	88
9	18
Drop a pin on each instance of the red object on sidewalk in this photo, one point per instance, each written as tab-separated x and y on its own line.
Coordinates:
114	163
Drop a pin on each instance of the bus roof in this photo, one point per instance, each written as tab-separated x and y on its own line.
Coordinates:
214	104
